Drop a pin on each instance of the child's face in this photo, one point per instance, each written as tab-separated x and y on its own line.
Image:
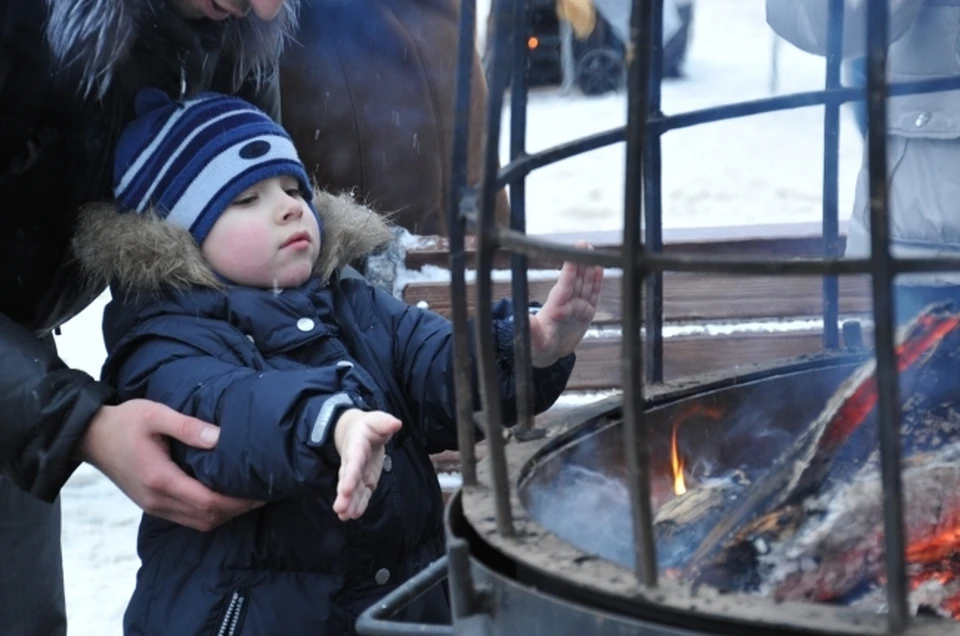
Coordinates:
267	238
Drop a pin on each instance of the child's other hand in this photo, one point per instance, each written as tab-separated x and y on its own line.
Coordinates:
359	438
557	329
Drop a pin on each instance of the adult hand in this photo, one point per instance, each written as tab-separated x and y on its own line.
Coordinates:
360	437
559	326
129	444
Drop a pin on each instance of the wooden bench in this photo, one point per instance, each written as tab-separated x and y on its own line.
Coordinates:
712	321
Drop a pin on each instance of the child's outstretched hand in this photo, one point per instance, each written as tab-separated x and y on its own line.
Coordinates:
557	329
359	437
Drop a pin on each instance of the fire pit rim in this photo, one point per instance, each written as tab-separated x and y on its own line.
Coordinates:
546	554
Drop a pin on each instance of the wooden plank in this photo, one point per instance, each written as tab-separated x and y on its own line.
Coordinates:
688	296
598	359
784	239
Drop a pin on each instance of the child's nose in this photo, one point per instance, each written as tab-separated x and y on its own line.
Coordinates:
291	210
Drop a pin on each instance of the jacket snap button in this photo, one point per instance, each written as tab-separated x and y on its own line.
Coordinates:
387	463
382	576
923	119
344	364
305	324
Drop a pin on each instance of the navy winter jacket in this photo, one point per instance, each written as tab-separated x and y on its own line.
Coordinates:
274	371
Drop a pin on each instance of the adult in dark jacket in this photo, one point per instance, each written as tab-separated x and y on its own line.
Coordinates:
68	72
317	381
368	96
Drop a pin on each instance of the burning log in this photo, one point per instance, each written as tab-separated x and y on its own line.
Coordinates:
685	519
812	527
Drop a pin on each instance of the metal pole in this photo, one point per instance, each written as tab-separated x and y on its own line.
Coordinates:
486	246
635	432
523	372
459	196
888	384
653	200
831	170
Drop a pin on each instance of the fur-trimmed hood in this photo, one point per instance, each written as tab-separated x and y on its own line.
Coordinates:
141	253
94	36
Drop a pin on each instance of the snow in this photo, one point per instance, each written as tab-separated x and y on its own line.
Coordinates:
761	169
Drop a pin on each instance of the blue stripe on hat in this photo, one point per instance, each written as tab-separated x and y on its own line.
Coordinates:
207	147
146	161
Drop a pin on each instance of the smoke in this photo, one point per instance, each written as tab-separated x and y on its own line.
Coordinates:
588	510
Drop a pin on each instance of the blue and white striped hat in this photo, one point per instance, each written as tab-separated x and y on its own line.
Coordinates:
189	160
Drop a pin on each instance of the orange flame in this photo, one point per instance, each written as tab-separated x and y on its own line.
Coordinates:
676	464
676	461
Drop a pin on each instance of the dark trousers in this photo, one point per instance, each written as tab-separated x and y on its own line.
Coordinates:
31	568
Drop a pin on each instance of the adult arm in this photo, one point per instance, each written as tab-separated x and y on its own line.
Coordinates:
804	23
45	409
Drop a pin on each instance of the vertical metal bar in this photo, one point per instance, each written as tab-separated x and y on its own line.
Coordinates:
523	372
653	200
459	196
831	170
635	432
486	245
888	384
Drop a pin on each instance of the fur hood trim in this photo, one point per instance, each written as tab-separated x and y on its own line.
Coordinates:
95	36
141	253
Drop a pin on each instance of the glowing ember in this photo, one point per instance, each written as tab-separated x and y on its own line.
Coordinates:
801	533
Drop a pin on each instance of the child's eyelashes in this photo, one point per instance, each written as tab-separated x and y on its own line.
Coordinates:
247	199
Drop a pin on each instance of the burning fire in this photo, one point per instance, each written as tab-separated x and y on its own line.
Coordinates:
676	464
676	460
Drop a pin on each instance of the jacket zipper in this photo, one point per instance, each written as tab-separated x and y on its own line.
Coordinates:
231	618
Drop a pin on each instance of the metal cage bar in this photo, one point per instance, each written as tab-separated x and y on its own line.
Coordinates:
831	171
457	250
652	167
888	380
634	432
518	222
486	245
644	262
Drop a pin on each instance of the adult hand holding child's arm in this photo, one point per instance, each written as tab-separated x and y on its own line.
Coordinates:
360	437
130	444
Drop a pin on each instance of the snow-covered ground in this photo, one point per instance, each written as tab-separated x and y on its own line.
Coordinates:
761	169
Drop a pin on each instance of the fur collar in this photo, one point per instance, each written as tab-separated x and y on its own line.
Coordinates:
95	37
144	254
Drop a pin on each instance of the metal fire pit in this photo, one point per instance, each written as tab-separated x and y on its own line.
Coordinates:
508	572
538	582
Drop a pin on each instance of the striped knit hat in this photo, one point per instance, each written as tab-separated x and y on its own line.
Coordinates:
189	160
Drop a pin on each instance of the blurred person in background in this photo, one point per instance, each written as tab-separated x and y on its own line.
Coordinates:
923	133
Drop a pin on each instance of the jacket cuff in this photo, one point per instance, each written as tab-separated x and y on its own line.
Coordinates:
57	464
331	410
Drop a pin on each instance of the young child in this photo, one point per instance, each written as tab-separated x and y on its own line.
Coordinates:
229	305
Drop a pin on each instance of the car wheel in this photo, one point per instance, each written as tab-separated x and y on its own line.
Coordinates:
600	71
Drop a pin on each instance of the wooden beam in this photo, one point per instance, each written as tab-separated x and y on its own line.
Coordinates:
598	359
688	296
